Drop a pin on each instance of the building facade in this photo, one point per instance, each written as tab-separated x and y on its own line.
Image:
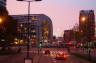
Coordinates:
38	29
87	25
3	3
68	35
3	10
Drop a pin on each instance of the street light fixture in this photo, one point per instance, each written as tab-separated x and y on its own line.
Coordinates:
1	20
83	19
28	25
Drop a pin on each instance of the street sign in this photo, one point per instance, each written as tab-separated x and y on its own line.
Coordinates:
28	60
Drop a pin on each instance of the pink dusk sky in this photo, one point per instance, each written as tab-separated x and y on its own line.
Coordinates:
63	13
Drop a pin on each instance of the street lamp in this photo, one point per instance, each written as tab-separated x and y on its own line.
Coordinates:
83	19
1	20
28	24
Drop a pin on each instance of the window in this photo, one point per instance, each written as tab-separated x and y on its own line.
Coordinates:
34	18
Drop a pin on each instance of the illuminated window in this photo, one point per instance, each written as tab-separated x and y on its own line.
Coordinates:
81	30
21	25
15	39
34	18
18	30
45	22
46	32
25	29
33	30
33	36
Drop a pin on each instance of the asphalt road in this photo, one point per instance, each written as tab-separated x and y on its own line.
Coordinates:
70	59
41	58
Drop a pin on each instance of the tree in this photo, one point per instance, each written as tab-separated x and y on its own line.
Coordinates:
8	32
3	17
11	29
3	11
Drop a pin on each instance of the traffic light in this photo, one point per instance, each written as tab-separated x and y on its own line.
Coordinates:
20	0
40	44
38	0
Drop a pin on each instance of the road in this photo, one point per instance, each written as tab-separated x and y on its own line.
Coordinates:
71	59
41	58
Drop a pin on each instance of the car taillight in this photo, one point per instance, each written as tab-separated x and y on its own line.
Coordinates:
61	52
65	56
58	55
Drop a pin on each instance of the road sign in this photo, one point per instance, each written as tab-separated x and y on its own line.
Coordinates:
28	60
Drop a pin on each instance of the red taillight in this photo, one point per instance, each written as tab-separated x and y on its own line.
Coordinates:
74	47
58	55
65	56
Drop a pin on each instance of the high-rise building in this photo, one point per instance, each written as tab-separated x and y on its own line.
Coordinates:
40	28
3	10
87	25
2	3
68	35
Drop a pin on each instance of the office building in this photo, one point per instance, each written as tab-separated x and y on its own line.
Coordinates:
87	25
40	28
68	35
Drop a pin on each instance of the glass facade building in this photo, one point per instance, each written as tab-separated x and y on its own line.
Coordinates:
40	28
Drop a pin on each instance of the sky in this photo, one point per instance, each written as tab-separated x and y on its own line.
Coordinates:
63	13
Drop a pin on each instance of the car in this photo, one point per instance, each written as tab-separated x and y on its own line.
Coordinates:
62	55
47	51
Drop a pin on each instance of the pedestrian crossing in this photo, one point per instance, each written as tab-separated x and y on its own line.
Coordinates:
52	52
31	51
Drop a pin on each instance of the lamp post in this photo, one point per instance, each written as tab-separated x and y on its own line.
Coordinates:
87	38
83	20
28	23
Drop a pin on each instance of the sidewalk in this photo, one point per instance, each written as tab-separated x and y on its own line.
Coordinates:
84	53
42	58
37	59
